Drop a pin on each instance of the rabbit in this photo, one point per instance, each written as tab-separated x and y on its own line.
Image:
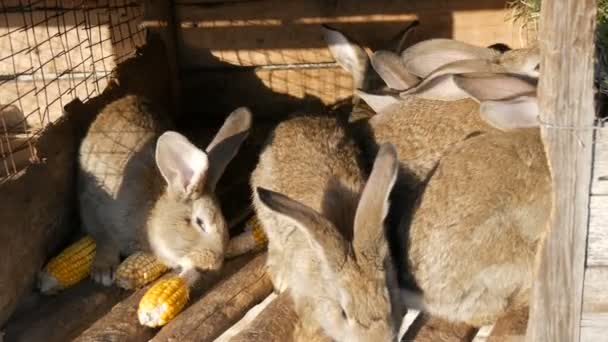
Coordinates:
471	242
423	58
438	59
354	59
422	129
144	190
325	229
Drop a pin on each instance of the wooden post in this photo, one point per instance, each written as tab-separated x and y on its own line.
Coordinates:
565	92
164	10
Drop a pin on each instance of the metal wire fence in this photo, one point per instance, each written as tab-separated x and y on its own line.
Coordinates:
52	51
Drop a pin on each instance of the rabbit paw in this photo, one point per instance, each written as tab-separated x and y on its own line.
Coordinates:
206	260
104	267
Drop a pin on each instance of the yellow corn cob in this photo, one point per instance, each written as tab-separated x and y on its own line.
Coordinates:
163	301
69	267
252	239
138	270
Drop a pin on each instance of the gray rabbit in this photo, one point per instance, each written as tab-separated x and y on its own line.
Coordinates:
144	190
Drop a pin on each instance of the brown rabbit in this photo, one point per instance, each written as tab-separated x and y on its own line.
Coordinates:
471	242
422	129
143	191
325	229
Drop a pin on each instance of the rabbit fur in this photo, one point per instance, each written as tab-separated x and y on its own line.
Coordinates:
144	190
325	229
487	204
484	183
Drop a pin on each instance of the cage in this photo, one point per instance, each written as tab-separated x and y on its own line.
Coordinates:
62	60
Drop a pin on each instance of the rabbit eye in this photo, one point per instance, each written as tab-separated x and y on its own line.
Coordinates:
537	68
344	314
199	223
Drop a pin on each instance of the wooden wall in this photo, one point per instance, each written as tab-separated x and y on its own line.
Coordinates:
594	320
271	56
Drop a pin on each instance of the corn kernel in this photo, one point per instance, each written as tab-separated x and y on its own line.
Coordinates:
69	267
163	301
138	270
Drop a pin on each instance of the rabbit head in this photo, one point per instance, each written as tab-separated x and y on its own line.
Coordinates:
356	298
186	227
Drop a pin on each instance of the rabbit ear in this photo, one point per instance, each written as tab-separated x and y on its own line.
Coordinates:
182	165
400	40
347	53
439	85
323	236
423	58
392	71
226	143
378	102
524	61
369	241
508	101
490	86
519	112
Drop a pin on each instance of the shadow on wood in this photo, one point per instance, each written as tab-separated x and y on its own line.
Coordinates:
427	328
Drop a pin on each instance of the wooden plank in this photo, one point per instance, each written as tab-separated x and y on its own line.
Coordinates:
428	328
511	327
51	42
597	248
47	190
165	10
223	306
276	323
64	316
599	185
42	102
268	93
594	327
565	99
595	291
273	32
121	323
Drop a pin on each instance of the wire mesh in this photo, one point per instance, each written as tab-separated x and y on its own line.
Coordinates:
52	51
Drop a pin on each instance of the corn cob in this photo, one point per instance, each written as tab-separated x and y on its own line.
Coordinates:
252	239
163	301
138	270
69	267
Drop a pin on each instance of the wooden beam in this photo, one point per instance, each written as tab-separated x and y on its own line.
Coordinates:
121	323
164	11
251	33
222	306
64	316
275	323
432	329
567	30
597	248
599	185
